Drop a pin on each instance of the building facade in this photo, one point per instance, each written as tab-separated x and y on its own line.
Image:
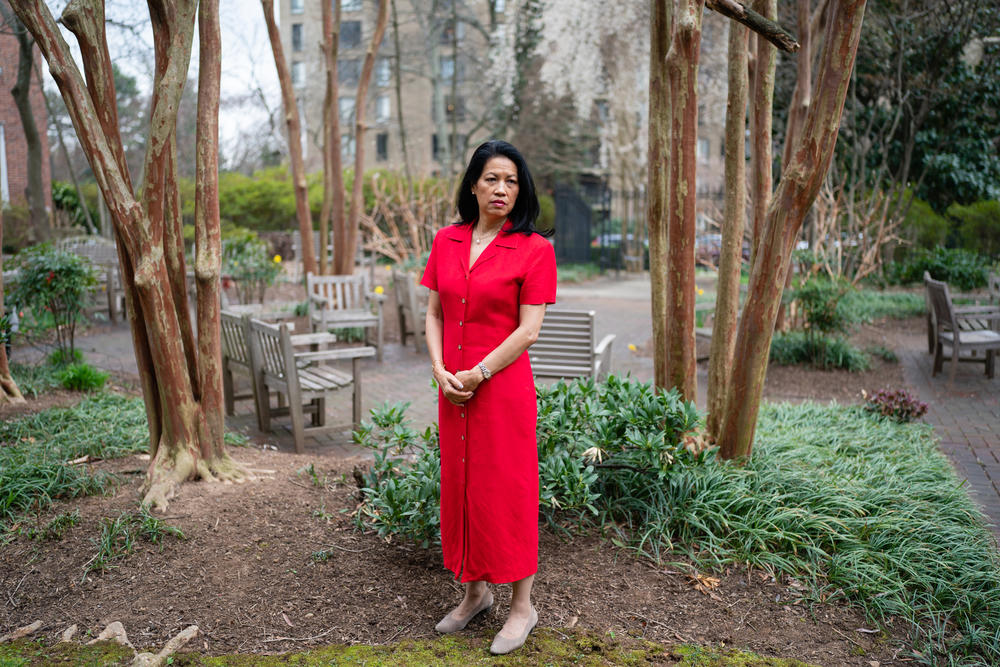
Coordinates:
442	60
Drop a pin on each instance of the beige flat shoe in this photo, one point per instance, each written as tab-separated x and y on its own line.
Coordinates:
450	624
503	645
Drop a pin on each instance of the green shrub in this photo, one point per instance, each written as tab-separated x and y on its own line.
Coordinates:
865	305
924	227
60	358
821	304
961	269
52	284
82	377
248	262
65	198
827	352
603	451
979	226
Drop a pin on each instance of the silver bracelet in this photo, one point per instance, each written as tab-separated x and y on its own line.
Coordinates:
485	371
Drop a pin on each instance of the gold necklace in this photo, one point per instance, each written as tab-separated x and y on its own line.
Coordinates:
483	237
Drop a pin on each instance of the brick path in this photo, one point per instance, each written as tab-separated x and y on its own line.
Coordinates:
965	417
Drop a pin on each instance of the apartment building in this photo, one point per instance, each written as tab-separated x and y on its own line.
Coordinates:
442	61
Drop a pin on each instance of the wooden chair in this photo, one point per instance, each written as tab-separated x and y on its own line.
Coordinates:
236	357
970	323
300	378
993	285
565	347
340	302
949	332
411	308
102	253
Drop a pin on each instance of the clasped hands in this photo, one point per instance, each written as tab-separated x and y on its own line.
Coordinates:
458	387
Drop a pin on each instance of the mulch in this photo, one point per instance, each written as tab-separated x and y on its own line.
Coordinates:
247	576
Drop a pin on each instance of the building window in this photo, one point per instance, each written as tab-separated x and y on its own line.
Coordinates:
348	71
382	146
296	37
703	146
350	5
454	108
298	73
452	32
453	141
350	34
347	146
382	109
383	74
346	106
297	6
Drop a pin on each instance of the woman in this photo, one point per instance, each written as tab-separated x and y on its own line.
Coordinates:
491	276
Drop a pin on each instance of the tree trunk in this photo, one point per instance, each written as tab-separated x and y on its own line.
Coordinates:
9	393
397	76
21	92
762	104
333	170
660	28
682	72
727	296
345	255
183	403
293	127
800	182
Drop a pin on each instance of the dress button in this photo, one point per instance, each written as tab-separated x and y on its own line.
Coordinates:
460	323
463	300
462	437
460	346
462	415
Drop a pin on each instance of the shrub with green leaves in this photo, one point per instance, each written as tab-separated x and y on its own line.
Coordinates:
52	285
82	377
826	352
247	261
961	269
603	448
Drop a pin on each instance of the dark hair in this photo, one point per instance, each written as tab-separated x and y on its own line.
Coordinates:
526	209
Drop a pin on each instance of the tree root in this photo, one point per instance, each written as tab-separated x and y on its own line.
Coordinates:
166	475
171	647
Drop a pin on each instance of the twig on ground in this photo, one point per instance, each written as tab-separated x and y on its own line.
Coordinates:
297	639
846	637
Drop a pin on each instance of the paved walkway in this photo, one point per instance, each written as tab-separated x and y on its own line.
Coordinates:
966	416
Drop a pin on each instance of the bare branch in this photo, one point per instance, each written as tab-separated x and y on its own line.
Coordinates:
766	28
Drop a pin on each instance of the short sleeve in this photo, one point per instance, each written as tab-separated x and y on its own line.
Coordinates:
430	278
539	284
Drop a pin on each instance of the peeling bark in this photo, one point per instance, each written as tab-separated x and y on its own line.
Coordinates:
682	73
799	185
727	298
333	170
660	26
293	127
9	392
344	255
181	383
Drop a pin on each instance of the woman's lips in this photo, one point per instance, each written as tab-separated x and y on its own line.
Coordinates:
498	203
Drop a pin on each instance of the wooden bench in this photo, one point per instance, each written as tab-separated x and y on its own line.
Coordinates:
970	323
948	331
341	302
301	378
411	308
103	255
565	347
235	329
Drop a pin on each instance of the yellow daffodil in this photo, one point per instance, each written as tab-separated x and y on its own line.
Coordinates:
700	291
632	347
277	259
379	289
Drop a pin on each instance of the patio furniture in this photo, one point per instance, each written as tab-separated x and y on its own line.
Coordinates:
948	332
236	357
301	378
103	256
970	323
341	302
565	347
411	308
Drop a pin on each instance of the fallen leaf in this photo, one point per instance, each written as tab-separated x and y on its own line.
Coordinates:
290	624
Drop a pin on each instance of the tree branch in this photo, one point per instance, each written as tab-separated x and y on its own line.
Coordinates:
766	28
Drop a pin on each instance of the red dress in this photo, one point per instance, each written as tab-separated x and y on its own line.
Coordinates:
489	455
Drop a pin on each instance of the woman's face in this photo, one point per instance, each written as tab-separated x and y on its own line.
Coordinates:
497	188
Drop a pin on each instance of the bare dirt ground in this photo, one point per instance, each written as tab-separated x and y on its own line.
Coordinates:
247	574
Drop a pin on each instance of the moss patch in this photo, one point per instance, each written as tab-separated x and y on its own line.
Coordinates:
544	647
